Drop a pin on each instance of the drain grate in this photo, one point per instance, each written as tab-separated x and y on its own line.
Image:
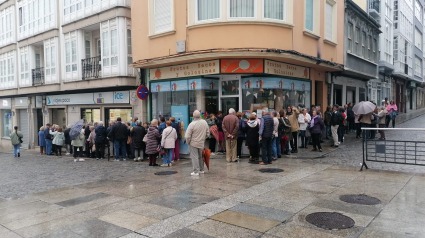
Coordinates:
165	172
330	220
359	199
273	171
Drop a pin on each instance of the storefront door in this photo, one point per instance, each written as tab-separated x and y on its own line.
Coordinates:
23	127
90	115
114	113
227	103
230	93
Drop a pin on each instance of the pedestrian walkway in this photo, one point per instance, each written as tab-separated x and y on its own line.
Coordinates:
232	200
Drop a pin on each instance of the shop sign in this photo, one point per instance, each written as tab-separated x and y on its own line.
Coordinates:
21	102
5	103
122	97
185	70
69	99
103	98
236	66
134	95
38	101
278	68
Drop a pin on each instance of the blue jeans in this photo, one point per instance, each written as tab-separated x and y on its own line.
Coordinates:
119	146
168	156
16	149
304	140
288	147
328	132
278	146
341	130
274	147
48	146
266	150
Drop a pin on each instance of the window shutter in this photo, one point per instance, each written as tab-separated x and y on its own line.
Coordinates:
328	23
162	15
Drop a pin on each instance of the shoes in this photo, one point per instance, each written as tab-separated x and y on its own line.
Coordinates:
270	162
194	174
262	163
135	159
169	165
289	153
116	160
81	160
75	160
202	172
150	164
212	153
101	158
97	158
306	147
279	157
67	154
295	151
155	164
124	159
314	149
19	154
382	139
164	165
320	150
292	151
301	147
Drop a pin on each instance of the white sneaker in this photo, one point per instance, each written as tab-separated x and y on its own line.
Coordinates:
169	165
138	159
67	154
116	160
124	159
75	160
194	174
202	172
164	165
135	159
81	160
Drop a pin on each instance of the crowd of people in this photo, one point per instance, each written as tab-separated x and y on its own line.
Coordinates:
274	133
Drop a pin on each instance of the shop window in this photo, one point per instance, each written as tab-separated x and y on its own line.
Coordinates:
90	115
274	93
230	88
114	113
6	116
208	10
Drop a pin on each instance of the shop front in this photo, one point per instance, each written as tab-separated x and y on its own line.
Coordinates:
6	119
247	85
346	90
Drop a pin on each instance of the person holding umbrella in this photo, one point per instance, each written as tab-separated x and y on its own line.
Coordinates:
365	110
196	134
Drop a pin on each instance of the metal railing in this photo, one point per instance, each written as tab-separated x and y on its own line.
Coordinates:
393	151
91	67
374	4
37	76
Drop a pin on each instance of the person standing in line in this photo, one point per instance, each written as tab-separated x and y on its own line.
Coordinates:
78	144
146	126
292	114
87	132
176	151
137	135
135	119
211	141
111	149
286	132
168	142
328	115
68	140
48	139
92	142
252	137
119	134
266	136
350	117
374	123
358	126
196	134
41	141
16	140
303	119
58	140
341	128
152	143
100	140
128	145
275	146
335	122
221	139
230	129
241	134
317	126
162	125
392	113
366	121
382	112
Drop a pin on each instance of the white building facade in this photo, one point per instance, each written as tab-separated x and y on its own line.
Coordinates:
62	61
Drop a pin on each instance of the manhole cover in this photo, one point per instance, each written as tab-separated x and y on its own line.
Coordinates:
330	220
360	199
165	172
271	170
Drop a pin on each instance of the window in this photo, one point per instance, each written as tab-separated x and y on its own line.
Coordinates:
418	66
50	55
87	48
375	47
350	37
418	10
6	30
105	45
418	39
309	18
7	128
24	72
329	21
70	6
357	50
274	9
242	8
369	47
395	48
129	48
71	52
7	70
208	9
114	47
163	15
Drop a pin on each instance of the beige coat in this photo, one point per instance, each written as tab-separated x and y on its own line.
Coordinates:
367	118
169	137
294	121
197	132
381	115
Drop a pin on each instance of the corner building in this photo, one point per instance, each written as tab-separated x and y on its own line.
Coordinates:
219	54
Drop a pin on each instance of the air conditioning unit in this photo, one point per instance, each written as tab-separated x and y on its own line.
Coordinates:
181	46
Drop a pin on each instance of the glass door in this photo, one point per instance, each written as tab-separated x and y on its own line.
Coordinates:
230	93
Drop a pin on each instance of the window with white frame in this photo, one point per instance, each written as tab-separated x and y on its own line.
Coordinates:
418	66
208	10
35	13
396	48
418	39
7	25
24	67
163	14
129	48
309	18
7	69
418	10
388	9
350	37
329	11
274	9
242	8
70	6
50	57
71	52
109	43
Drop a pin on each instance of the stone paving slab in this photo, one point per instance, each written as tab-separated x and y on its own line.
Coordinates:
246	221
128	220
187	233
76	201
98	229
261	211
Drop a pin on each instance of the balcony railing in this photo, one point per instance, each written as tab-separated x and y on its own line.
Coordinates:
37	76
91	67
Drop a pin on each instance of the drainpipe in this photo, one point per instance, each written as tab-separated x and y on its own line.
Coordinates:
331	89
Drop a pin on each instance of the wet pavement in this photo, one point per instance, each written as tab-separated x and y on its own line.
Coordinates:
45	196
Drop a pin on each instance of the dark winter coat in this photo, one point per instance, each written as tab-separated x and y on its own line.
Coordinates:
119	132
280	128
137	134
318	126
267	124
350	113
67	137
219	122
87	132
241	129
153	140
252	136
176	126
328	116
101	135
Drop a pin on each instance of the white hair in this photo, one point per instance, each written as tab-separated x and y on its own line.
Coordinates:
100	123
196	114
265	109
232	111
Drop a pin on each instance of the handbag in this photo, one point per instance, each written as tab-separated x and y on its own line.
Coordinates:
20	138
160	150
145	138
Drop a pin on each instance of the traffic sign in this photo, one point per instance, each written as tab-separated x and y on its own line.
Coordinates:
142	92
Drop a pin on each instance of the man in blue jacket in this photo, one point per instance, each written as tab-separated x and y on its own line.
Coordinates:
48	139
162	125
266	136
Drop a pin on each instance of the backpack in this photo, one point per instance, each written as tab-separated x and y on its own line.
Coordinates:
286	126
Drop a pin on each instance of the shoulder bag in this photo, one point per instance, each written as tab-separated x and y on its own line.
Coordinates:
20	138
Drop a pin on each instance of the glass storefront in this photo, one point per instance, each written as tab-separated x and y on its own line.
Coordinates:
114	113
7	127
90	115
59	117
